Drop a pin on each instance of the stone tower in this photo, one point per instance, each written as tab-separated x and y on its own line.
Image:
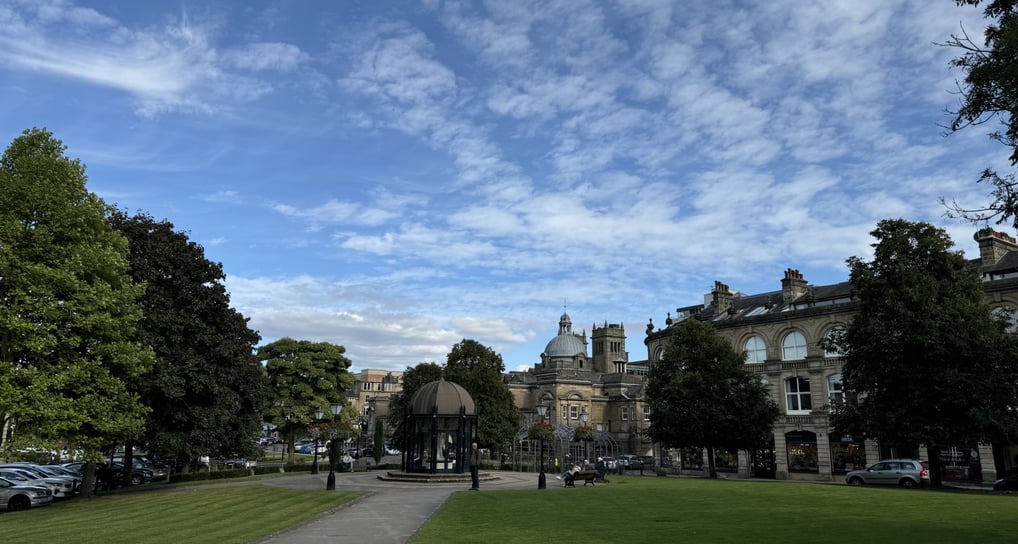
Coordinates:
609	348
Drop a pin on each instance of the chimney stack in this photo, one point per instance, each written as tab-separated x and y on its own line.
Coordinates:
993	245
793	286
721	298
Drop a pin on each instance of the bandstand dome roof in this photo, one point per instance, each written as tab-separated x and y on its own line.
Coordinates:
442	398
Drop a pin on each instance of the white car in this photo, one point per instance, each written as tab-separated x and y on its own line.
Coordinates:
22	497
58	487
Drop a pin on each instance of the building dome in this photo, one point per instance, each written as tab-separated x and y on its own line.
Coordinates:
442	398
566	344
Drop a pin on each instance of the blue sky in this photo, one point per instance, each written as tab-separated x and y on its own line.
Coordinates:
397	176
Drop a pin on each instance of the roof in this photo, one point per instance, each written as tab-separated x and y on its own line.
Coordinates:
442	398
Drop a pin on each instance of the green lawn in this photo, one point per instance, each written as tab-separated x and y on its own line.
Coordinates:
177	515
666	510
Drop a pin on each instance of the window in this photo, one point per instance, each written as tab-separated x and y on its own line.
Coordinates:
831	350
756	350
793	347
660	354
625	413
802	451
565	412
797	397
835	389
1009	316
366	386
646	414
574	412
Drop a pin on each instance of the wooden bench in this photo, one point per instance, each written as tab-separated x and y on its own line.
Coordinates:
586	477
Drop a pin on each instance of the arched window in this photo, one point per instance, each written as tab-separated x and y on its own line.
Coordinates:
756	350
1009	315
660	355
793	347
797	396
830	349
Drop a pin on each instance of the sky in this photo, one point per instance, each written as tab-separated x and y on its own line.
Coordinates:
396	177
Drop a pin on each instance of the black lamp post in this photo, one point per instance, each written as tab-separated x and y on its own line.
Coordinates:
542	410
330	482
317	432
584	417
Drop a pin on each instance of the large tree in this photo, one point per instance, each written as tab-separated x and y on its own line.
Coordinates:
68	344
206	389
926	363
989	93
413	379
304	376
700	394
479	370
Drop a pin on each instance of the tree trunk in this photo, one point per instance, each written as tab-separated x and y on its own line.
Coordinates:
88	480
712	470
936	467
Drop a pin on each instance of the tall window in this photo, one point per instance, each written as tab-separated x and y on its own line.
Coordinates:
660	354
756	350
574	412
793	347
830	350
797	396
625	413
835	390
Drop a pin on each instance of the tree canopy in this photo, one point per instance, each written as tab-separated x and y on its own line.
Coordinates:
700	394
926	363
206	389
68	336
989	92
479	370
302	377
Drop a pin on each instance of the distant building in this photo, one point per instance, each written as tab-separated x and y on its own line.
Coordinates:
370	396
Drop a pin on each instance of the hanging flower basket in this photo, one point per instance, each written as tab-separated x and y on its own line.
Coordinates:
541	431
583	434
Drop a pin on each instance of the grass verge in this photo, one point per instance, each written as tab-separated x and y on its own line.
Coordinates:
655	510
195	515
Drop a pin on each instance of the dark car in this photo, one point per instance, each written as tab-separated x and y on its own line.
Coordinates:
1009	483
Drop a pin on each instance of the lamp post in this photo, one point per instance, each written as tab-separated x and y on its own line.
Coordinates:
316	431
542	410
584	417
330	482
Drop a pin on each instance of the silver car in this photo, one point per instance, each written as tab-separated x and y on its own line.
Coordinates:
23	476
903	472
22	497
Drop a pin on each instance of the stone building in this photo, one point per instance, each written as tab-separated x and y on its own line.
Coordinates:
602	390
782	333
370	396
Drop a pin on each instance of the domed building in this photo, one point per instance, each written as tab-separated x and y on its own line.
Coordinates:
601	390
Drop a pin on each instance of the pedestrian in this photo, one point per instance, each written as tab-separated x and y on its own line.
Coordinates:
475	465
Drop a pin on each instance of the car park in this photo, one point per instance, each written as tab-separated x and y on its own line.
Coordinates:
58	487
14	496
903	472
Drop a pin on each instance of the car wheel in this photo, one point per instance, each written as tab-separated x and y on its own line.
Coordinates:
906	482
855	481
18	502
136	479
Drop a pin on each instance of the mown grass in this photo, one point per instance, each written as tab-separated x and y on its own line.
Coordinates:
177	515
659	510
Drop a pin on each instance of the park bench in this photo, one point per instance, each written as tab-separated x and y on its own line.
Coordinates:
586	477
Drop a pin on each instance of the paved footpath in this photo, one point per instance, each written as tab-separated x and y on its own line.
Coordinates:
390	513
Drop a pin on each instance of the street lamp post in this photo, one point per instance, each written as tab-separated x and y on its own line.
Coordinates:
584	417
330	482
542	410
317	431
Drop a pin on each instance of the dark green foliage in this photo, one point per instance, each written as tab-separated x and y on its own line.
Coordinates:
206	390
68	344
479	370
700	394
990	93
413	379
304	376
926	363
379	441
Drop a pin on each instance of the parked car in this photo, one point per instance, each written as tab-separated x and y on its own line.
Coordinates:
903	472
239	463
1009	483
629	461
159	472
14	496
49	471
20	476
389	450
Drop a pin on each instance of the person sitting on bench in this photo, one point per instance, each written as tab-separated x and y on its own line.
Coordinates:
565	475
